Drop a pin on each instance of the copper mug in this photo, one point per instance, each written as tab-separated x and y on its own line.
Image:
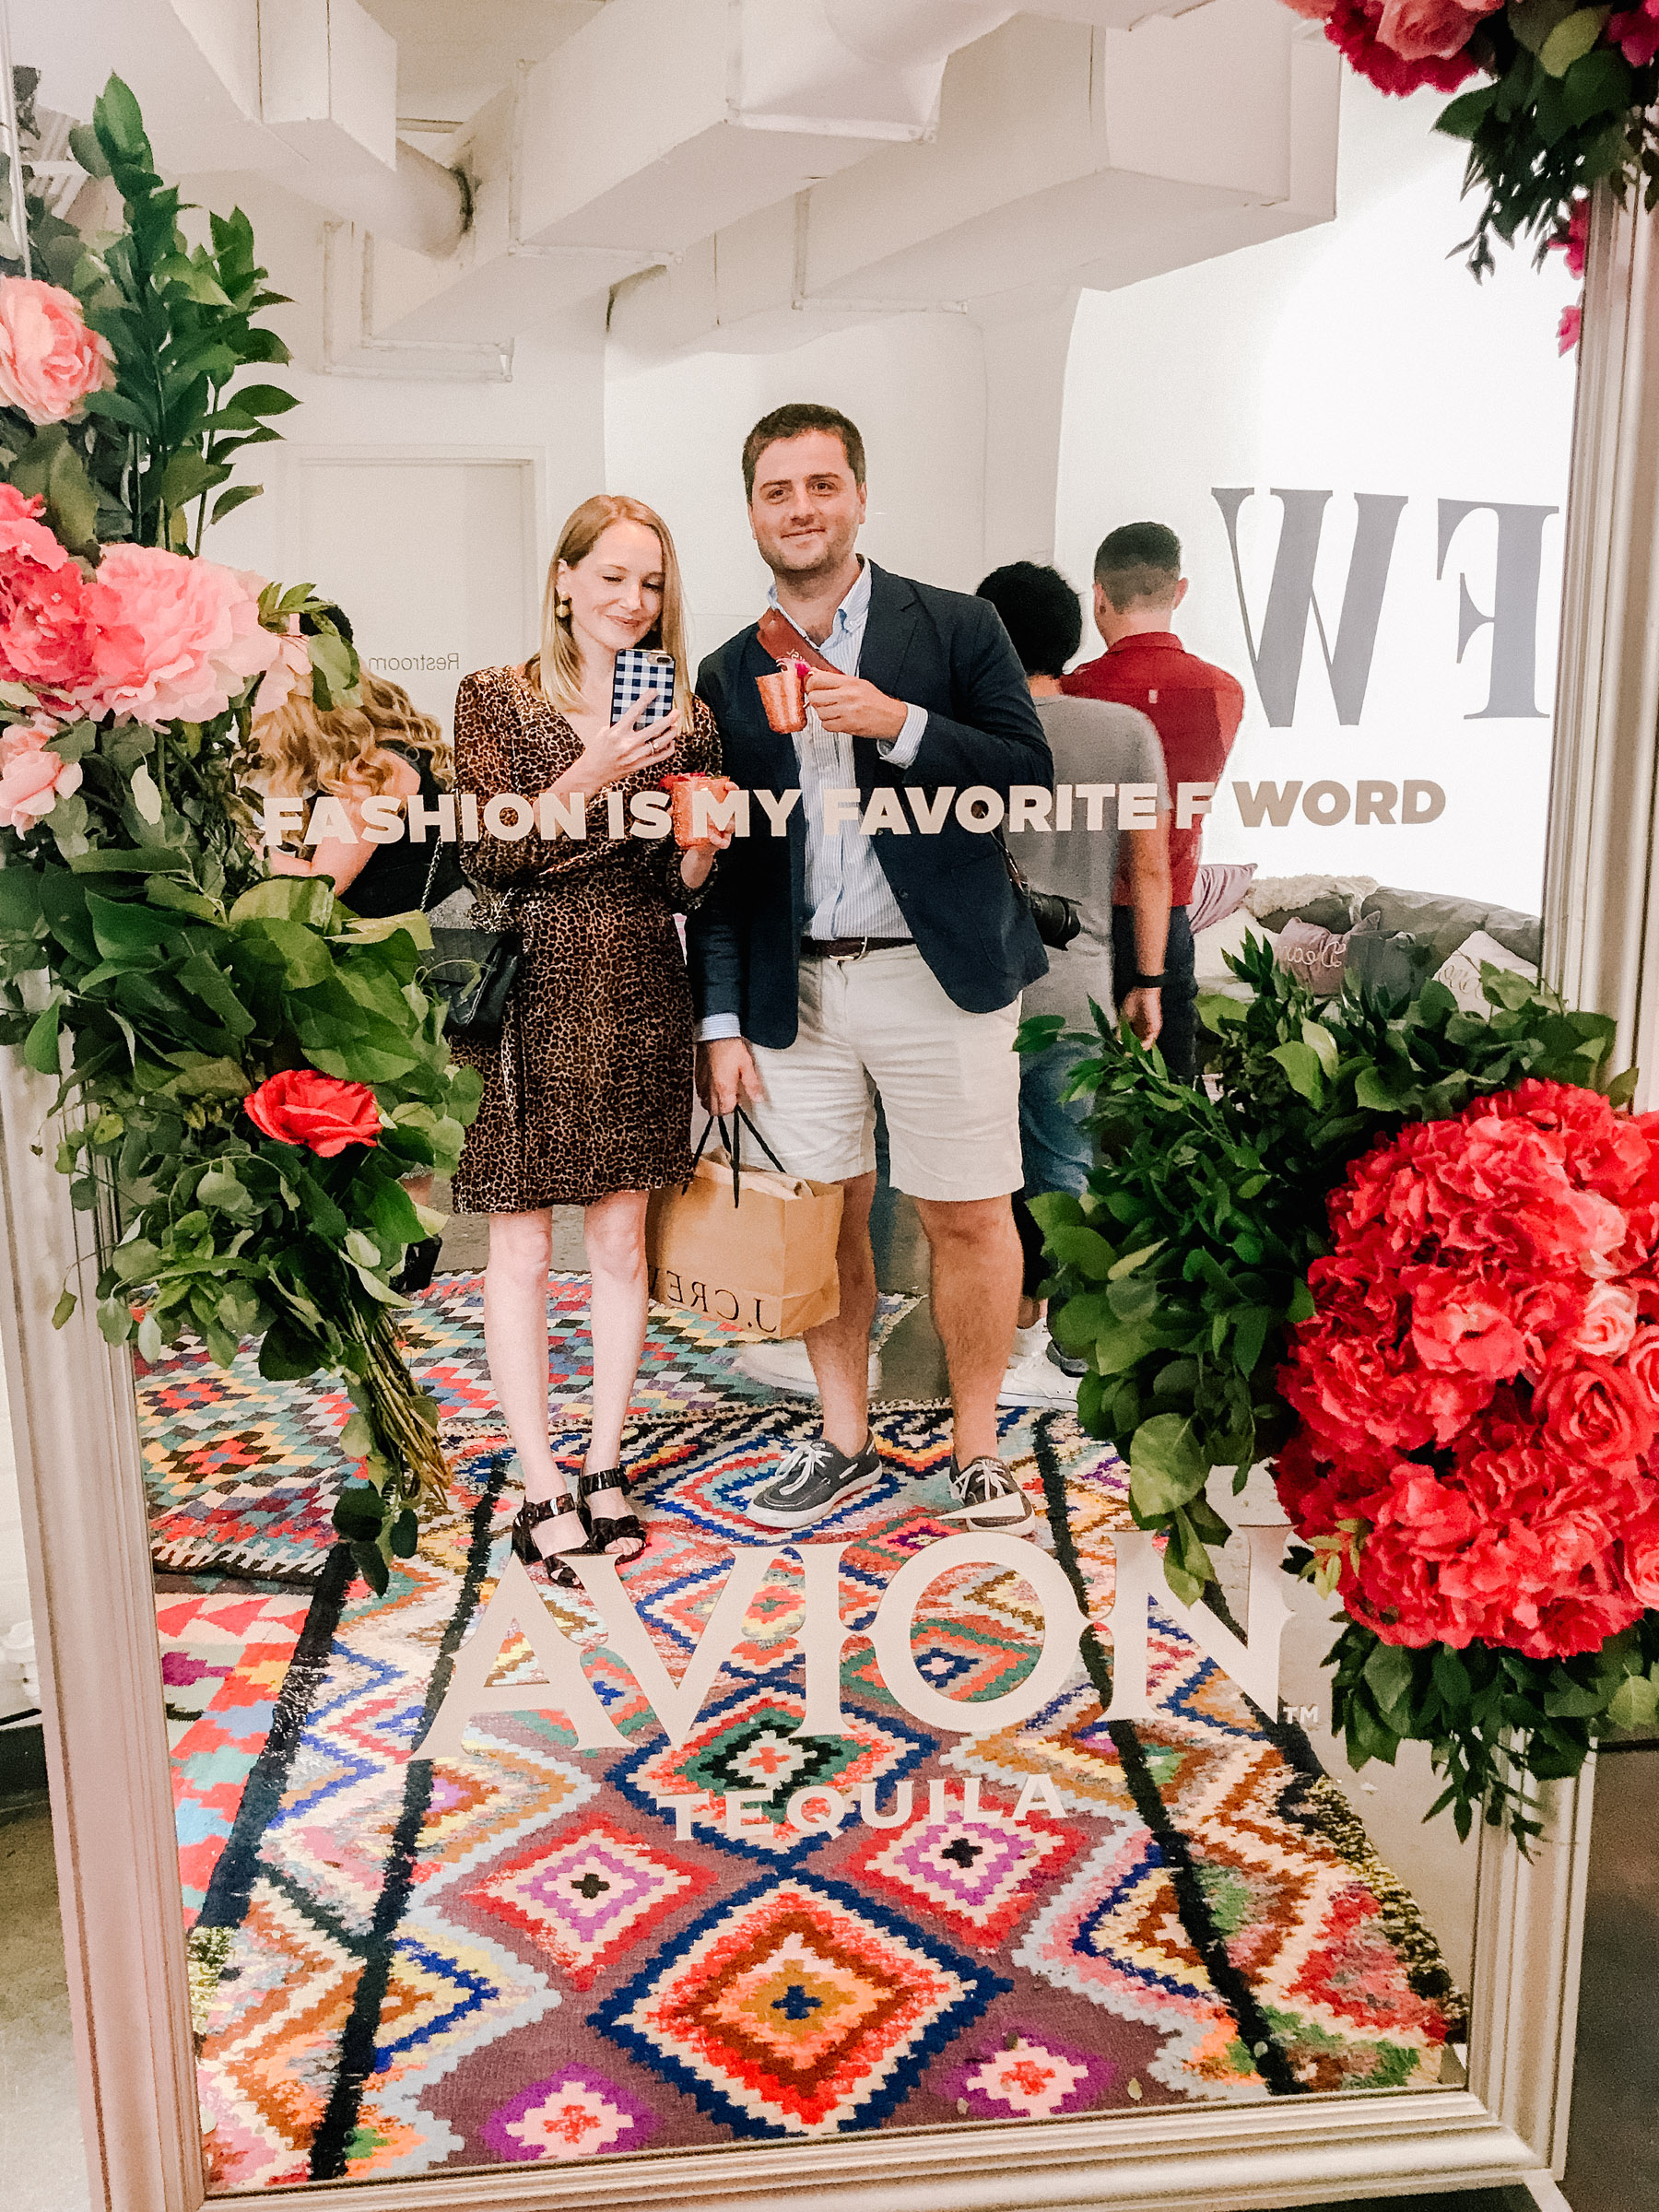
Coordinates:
784	699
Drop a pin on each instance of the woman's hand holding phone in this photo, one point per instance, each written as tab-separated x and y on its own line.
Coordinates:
624	749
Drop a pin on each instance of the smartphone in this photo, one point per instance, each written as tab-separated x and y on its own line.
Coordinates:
640	670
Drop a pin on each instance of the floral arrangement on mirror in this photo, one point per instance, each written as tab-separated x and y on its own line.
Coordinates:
1410	1256
1567	102
246	1072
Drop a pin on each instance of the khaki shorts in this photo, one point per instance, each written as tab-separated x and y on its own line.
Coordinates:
948	1081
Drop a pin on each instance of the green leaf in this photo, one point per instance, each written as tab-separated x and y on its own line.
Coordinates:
1389	1672
1601	82
1166	1464
1055	1209
372	1567
289	899
1075	1322
1083	1249
84	146
41	1046
66	1306
1371	1091
1635	1703
117	407
406	1535
187	475
1571	38
263	399
229	501
1465	114
71	503
1300	1065
1622	1088
1301	1306
1132	1260
1321	1042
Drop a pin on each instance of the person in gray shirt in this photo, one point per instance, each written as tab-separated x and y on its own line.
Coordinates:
1094	742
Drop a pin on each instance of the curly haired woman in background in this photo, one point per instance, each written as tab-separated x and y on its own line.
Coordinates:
383	748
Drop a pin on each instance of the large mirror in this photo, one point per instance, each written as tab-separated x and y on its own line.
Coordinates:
761	1875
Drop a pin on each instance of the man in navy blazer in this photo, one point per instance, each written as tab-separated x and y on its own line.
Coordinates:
866	939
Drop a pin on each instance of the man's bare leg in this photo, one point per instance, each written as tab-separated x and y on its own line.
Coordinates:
839	1349
976	1276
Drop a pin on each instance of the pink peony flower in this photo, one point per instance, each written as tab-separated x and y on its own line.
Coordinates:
49	360
1569	328
1353	26
32	779
177	639
1422	30
45	630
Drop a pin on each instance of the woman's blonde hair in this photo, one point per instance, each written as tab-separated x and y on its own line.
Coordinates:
302	749
557	669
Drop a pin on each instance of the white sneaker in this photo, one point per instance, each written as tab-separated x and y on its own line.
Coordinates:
1032	1377
782	1363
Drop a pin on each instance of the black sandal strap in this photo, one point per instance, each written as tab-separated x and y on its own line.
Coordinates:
622	1533
530	1517
607	1478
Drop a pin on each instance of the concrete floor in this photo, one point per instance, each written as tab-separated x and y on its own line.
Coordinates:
1615	2161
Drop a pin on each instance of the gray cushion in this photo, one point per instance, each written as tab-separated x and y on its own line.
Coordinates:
1443	923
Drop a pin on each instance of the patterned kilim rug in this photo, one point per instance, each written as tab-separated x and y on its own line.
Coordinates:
519	1953
241	1473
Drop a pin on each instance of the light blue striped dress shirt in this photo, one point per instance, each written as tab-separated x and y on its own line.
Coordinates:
847	894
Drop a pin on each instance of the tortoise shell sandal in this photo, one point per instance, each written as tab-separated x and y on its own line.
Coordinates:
554	1565
620	1536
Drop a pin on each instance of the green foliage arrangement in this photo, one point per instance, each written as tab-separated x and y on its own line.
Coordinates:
1180	1271
148	962
180	323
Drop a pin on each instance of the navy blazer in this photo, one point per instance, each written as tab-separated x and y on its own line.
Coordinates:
934	649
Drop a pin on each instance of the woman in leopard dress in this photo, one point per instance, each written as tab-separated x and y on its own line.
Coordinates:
587	1098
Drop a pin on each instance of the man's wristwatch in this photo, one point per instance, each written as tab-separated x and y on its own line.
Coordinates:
1148	983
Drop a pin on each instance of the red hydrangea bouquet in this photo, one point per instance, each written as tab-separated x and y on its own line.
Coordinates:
1408	1255
1479	1386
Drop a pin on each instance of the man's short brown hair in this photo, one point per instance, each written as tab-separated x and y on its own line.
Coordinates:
1140	560
794	421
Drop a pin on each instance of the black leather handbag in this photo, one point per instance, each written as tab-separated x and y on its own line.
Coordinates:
472	970
1056	916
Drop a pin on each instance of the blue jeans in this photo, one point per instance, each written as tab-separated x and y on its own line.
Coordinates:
1056	1152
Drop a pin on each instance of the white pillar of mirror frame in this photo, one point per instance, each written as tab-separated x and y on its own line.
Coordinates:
78	1465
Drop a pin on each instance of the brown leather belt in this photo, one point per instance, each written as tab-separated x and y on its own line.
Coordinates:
848	948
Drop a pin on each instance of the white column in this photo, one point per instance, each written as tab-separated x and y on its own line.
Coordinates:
75	1423
1601	934
1025	357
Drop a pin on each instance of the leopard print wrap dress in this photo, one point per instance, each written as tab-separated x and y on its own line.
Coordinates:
589	1091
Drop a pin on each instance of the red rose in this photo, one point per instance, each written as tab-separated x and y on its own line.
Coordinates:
1598	1411
324	1114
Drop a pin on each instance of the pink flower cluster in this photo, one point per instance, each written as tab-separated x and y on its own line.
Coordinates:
32	779
49	360
1479	1386
1403	44
151	637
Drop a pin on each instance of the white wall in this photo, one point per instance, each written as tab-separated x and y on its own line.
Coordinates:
1355	358
915	384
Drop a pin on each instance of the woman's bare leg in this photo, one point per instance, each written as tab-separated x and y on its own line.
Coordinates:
515	1342
615	1230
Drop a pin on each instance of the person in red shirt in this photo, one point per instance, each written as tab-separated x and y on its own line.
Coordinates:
1195	710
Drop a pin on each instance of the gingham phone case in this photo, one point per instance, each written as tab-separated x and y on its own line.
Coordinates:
639	670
